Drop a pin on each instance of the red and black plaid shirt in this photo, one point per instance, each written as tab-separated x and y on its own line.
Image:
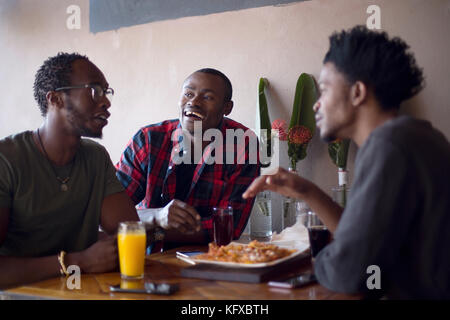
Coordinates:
148	173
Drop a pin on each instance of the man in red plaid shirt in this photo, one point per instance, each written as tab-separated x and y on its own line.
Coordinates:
179	195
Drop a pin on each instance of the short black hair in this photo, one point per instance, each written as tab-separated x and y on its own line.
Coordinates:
54	73
381	63
227	82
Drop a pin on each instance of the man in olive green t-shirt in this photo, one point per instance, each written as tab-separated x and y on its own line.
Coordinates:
56	189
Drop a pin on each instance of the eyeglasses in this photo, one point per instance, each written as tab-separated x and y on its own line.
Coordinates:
97	91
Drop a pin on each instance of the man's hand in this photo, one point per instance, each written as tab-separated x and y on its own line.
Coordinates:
283	182
291	185
180	216
102	256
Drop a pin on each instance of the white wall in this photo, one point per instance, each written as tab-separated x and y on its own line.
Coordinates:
146	64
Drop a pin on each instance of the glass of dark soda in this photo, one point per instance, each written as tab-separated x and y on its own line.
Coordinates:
319	235
223	225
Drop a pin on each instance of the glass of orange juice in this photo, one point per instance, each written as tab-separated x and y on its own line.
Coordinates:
131	241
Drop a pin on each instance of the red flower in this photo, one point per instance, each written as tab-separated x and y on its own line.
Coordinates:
281	126
299	135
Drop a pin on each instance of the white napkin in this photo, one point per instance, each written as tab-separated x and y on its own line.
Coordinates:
295	237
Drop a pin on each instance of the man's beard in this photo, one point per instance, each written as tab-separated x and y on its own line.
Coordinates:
75	118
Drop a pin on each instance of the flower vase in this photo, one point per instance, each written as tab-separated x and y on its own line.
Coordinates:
261	216
288	206
340	193
301	211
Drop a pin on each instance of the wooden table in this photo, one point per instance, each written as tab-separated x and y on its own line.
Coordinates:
165	267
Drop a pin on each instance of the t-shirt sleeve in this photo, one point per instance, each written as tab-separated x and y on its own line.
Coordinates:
112	184
373	224
6	184
132	167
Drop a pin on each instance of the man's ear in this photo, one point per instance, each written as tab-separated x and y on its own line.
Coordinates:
54	99
228	106
358	93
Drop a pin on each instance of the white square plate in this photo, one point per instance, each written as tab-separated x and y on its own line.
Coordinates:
302	249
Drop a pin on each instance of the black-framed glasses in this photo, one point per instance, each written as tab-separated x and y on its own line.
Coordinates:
97	91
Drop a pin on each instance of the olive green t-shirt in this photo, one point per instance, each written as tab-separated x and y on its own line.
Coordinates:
44	219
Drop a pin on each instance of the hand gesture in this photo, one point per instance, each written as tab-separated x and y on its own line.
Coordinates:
281	181
180	216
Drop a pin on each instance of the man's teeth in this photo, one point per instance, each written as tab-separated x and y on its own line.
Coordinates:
193	113
102	117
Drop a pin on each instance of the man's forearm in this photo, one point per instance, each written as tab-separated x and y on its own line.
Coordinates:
15	271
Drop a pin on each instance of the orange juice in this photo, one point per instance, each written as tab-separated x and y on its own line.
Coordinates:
131	245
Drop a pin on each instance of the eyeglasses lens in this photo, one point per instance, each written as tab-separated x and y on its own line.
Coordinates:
98	92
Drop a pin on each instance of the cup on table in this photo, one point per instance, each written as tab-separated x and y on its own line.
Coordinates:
319	235
131	284
223	225
131	242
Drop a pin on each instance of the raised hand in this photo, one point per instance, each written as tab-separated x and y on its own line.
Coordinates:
281	181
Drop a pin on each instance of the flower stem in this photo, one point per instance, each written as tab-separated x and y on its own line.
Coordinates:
264	208
293	165
286	209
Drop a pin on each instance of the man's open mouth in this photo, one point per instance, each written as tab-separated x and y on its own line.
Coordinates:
102	118
193	114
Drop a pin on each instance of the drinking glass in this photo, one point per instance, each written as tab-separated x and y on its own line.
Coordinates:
261	217
319	235
223	225
131	242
